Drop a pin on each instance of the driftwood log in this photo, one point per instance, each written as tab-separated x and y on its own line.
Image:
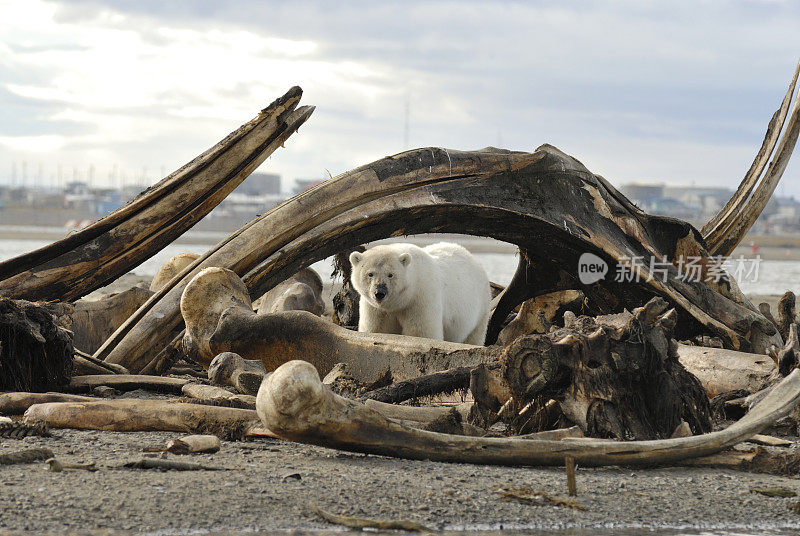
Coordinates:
91	258
217	396
127	382
294	404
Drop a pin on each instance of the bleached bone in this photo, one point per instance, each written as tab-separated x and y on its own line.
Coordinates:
130	415
294	404
171	268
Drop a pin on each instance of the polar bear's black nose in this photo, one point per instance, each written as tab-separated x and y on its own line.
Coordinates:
380	292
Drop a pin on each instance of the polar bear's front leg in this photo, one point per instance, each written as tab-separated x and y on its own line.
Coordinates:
373	320
423	322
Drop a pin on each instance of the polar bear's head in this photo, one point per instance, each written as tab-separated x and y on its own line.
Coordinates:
381	276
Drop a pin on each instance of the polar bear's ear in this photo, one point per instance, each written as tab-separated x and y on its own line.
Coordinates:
405	259
355	258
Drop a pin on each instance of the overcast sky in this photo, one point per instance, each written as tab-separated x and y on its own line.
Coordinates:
677	91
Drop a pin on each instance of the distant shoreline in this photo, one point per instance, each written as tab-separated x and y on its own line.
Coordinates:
772	248
476	244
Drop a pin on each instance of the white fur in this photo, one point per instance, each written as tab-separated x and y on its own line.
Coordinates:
439	292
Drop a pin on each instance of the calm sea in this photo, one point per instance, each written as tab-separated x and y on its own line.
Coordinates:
768	277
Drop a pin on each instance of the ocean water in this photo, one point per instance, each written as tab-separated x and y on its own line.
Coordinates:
763	277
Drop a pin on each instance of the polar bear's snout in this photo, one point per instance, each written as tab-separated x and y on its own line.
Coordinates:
380	292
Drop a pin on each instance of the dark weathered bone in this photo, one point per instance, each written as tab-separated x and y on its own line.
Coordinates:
346	302
789	355
36	353
445	381
98	254
545	202
614	376
168	356
293	403
786	313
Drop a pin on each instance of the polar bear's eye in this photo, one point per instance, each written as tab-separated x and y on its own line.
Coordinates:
370	274
391	276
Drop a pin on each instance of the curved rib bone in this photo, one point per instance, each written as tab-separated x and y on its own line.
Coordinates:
727	228
545	201
294	404
84	261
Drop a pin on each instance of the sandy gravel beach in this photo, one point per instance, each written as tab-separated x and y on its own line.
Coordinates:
268	484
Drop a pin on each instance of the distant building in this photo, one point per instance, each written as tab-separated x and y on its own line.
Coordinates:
705	200
642	193
256	195
107	201
258	184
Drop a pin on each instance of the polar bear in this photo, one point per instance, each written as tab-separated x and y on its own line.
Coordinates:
439	292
